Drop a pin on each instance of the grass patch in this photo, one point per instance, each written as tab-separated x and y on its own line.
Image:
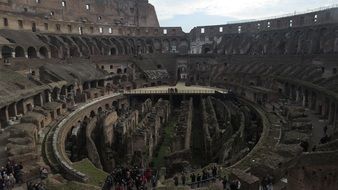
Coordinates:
95	175
164	148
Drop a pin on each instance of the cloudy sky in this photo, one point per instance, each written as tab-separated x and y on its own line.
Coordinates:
190	13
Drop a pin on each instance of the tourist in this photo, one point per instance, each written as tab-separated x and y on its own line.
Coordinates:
153	181
10	175
176	181
18	173
12	180
325	129
193	178
235	185
225	183
2	183
305	145
183	178
198	180
148	174
214	171
43	173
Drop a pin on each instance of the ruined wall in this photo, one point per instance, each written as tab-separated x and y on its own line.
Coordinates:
314	171
92	151
117	12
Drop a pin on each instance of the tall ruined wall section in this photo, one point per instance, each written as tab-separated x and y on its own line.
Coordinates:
310	33
117	12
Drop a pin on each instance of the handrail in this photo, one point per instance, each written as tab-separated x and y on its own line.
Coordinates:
169	92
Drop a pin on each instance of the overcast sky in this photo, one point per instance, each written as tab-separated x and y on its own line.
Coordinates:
190	13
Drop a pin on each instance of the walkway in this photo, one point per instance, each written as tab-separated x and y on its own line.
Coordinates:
180	88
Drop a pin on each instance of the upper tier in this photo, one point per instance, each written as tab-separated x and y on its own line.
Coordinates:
113	12
316	17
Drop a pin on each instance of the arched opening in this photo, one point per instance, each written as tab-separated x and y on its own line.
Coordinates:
32	52
6	52
113	51
119	71
206	50
107	106
115	105
56	93
99	110
43	52
124	78
19	52
92	114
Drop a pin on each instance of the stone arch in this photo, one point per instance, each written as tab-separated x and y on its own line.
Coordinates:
207	50
92	114
99	110
6	52
118	45
43	51
56	93
183	46
293	43
31	52
166	46
157	46
84	49
113	51
63	92
150	46
140	46
174	45
107	106
126	46
308	44
115	105
54	52
124	78
19	51
132	46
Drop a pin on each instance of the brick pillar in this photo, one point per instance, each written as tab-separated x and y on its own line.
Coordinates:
4	116
12	110
297	95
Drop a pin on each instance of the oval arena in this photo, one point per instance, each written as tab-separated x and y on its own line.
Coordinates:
96	95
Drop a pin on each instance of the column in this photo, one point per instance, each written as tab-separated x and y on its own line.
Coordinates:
297	95
4	117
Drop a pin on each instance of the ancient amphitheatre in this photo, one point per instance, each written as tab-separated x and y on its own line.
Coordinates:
99	96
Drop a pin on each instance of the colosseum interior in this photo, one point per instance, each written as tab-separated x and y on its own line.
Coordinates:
95	92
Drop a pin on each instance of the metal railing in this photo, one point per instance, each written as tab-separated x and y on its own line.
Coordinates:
170	92
202	183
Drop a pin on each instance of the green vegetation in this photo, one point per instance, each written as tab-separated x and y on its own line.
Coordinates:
164	148
95	175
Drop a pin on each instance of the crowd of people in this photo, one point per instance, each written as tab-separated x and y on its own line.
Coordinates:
199	179
128	179
10	175
37	183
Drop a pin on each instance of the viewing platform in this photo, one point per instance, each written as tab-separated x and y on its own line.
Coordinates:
179	89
